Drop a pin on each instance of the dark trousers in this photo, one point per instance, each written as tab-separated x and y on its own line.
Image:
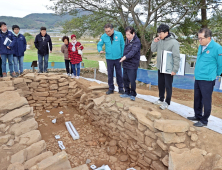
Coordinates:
119	76
1	67
129	78
203	98
68	63
165	82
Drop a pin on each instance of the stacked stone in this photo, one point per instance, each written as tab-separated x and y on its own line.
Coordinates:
46	91
21	146
150	141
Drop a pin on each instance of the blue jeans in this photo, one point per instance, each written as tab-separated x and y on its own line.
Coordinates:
10	62
74	69
18	60
40	60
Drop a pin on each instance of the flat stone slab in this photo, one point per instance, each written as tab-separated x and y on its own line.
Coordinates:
98	87
171	126
11	100
15	113
23	127
140	114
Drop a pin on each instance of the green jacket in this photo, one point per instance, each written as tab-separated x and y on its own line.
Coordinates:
168	44
115	49
209	62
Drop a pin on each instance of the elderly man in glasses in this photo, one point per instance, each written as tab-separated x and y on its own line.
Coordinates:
208	67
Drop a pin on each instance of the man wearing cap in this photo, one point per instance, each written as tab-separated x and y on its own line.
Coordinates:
208	67
114	43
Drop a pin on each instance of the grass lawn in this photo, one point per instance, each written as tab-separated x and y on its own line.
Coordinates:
31	55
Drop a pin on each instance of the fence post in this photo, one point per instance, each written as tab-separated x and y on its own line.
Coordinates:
95	73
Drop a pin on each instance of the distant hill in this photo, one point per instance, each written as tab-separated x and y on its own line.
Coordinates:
35	20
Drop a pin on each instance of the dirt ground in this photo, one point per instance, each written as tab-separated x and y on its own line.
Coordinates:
87	147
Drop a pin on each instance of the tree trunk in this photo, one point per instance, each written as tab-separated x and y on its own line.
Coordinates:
204	14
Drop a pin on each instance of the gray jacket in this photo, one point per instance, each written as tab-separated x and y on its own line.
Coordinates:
168	44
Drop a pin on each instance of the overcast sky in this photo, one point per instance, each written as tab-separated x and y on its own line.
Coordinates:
21	8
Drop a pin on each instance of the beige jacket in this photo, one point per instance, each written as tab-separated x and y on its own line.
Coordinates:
64	50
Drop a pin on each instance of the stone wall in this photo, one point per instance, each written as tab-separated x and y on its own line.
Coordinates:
139	132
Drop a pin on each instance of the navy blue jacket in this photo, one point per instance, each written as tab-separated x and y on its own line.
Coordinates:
20	45
3	48
132	53
41	45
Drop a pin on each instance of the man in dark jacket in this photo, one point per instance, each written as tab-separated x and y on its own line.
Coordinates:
130	59
6	51
19	49
43	43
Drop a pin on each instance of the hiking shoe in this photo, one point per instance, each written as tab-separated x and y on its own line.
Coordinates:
164	106
158	102
17	74
121	92
4	74
73	76
199	124
109	92
133	98
13	74
125	96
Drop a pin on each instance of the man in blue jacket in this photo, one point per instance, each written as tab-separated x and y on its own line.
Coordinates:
114	44
6	52
208	67
43	43
19	49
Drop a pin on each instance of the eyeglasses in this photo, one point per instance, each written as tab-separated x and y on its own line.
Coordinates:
200	39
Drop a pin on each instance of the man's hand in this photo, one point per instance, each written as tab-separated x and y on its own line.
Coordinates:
173	74
101	52
156	39
122	59
50	51
8	47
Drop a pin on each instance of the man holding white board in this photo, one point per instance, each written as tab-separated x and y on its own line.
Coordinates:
165	41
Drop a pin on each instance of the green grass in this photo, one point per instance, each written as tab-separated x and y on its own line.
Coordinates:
31	55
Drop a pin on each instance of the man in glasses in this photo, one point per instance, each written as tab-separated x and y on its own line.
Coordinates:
208	67
114	43
165	41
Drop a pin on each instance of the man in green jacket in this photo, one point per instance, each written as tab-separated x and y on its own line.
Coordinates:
165	41
114	44
208	66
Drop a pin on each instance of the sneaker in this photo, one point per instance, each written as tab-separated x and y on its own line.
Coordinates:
199	124
4	74
125	96
77	77
73	76
158	102
17	74
109	92
68	74
13	74
133	98
164	106
121	92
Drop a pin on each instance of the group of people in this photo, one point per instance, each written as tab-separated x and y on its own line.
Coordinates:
72	55
124	54
208	66
13	51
